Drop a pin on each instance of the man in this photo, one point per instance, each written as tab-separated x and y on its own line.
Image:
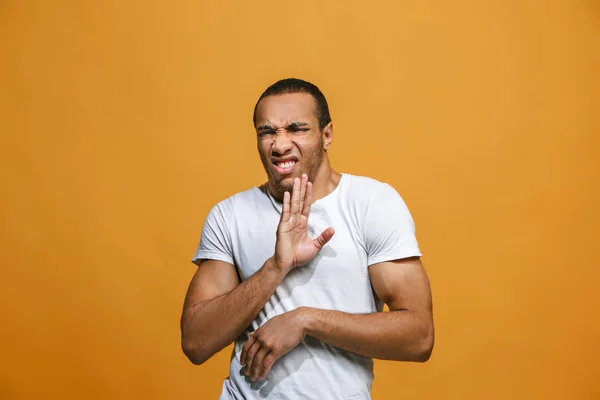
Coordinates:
306	315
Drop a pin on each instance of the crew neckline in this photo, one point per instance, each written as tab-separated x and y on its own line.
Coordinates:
278	206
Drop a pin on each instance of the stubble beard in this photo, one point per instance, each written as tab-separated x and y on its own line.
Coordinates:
277	189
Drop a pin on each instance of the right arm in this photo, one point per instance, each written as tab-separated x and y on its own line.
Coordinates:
218	308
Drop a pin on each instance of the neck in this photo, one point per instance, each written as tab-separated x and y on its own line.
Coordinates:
325	181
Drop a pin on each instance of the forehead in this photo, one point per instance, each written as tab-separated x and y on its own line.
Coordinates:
285	108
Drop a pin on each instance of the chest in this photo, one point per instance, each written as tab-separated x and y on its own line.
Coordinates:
342	258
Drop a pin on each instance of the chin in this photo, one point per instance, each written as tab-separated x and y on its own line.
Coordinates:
284	184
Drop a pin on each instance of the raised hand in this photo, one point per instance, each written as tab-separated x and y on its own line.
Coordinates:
294	247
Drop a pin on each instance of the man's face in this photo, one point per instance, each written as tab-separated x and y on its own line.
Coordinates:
290	142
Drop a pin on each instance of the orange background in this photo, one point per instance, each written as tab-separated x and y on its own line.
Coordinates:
122	123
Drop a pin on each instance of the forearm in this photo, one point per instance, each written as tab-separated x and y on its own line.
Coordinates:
396	335
211	325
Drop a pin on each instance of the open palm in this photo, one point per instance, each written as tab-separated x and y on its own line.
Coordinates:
294	246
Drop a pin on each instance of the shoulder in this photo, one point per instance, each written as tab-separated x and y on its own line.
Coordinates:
363	188
363	182
240	201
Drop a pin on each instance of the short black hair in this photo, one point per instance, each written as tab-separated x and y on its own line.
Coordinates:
294	85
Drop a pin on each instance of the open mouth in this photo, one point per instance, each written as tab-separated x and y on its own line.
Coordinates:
284	166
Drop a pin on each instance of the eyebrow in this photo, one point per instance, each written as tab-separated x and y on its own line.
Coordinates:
297	124
290	126
264	127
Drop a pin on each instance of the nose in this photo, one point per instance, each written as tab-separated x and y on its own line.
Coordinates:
281	143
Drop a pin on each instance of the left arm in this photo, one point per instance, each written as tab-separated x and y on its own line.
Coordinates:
405	333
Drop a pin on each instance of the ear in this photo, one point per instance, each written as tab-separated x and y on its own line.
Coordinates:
327	133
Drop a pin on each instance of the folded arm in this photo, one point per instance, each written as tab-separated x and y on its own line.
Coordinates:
218	308
406	333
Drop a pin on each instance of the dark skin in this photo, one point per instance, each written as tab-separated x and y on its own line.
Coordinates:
218	307
287	127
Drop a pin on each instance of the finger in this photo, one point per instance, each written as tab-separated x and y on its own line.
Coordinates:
296	197
250	357
324	238
303	182
245	349
285	211
307	200
258	362
266	365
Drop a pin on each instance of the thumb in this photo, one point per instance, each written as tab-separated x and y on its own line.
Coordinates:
324	238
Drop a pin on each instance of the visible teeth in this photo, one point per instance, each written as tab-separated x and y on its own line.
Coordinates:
287	164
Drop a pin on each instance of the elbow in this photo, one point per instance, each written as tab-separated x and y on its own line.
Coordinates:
424	354
194	347
192	344
194	352
424	347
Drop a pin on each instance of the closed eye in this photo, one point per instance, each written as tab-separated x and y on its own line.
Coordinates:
264	132
298	127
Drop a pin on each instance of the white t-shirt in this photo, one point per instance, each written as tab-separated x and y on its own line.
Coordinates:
372	224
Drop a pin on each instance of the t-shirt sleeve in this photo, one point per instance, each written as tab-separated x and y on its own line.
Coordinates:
389	228
215	241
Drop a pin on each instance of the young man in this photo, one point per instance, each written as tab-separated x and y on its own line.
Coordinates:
296	272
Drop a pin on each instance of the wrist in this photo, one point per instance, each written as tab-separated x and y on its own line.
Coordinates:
306	317
273	265
278	265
